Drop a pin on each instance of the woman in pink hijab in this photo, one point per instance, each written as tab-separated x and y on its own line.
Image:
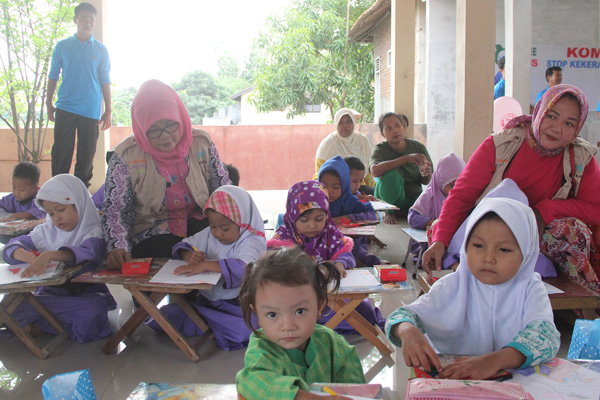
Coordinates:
159	179
553	167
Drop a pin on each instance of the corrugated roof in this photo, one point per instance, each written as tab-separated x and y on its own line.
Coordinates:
362	30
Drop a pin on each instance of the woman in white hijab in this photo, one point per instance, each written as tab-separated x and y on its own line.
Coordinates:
345	141
494	307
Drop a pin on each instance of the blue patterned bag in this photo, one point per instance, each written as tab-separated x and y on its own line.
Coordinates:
75	385
585	343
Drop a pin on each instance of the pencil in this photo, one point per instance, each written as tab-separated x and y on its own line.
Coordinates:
329	391
194	247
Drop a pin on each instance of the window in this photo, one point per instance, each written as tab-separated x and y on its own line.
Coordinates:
378	65
313	108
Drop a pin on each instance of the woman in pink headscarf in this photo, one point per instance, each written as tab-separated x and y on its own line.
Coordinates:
556	171
159	179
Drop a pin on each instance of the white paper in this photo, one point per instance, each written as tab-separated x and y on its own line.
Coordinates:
552	289
379	205
12	273
359	278
167	275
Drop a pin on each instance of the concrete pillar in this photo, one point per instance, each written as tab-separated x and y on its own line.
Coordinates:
517	71
421	64
103	144
403	58
441	77
475	49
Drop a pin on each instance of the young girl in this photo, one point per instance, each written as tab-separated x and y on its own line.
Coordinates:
494	308
72	234
236	237
335	175
428	206
307	223
287	291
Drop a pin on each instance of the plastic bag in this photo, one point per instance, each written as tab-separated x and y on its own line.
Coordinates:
585	343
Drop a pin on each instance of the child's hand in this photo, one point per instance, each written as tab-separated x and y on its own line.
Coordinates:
337	220
191	269
8	218
484	366
367	197
193	257
416	349
340	267
38	265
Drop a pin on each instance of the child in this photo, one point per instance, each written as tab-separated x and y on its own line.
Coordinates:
25	180
72	234
307	223
335	175
428	206
287	291
236	237
494	308
357	169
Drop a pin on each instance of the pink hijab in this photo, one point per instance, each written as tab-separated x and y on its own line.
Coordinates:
532	122
153	102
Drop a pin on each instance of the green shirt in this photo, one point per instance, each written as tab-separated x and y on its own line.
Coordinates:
272	372
409	171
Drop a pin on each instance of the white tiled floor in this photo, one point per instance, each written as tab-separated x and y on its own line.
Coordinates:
153	357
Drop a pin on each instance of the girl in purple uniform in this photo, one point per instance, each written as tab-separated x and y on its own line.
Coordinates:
71	234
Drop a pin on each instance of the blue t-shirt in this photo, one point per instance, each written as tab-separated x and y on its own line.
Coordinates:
540	94
499	89
85	68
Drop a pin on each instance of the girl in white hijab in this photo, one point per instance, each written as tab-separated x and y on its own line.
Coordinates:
71	234
494	308
345	141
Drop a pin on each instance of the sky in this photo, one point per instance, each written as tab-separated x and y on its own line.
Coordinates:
162	39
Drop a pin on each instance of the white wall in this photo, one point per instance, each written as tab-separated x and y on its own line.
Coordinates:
556	22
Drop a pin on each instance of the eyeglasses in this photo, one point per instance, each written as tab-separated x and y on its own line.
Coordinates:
156	133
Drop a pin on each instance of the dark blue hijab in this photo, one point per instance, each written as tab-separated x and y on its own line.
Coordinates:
348	203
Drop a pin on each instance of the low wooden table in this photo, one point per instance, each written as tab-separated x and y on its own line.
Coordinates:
15	293
149	295
415	236
575	296
344	304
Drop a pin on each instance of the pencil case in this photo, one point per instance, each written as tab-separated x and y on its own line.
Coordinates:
390	273
137	266
450	389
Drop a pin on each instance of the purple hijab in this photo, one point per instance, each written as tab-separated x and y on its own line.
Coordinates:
430	201
532	122
304	196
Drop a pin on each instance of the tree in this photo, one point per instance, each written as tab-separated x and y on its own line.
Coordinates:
30	29
121	105
228	66
201	94
307	58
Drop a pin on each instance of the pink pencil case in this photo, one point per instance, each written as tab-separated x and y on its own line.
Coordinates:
449	389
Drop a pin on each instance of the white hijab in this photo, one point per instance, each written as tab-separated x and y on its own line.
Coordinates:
356	144
66	189
461	315
251	245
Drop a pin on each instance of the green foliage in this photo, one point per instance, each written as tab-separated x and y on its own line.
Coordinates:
228	66
202	94
30	29
307	58
121	105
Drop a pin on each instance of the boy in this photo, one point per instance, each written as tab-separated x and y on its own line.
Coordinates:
357	174
85	67
25	180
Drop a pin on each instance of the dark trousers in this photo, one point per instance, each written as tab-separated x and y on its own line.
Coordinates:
162	245
65	126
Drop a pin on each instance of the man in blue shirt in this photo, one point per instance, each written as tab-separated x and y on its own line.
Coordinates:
499	87
553	77
85	67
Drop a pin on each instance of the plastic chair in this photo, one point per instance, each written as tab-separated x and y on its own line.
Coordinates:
71	385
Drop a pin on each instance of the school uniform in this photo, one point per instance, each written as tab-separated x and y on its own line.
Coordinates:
272	372
220	306
462	315
348	204
9	203
81	308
